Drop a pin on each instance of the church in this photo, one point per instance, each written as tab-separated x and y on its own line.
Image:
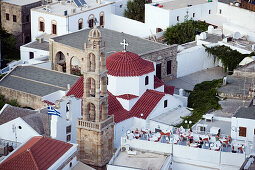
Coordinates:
123	87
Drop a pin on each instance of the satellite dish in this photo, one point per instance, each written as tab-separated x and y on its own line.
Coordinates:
237	35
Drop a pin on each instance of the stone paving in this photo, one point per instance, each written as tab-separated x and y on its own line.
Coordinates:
188	82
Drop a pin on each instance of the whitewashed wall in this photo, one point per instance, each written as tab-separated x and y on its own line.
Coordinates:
130	85
196	58
241	122
185	157
129	26
172	102
21	135
59	124
156	17
38	54
61	24
238	16
73	20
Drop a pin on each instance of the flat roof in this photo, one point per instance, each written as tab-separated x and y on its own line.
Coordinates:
58	8
21	2
173	117
37	45
112	40
225	126
142	160
235	85
37	81
177	4
245	112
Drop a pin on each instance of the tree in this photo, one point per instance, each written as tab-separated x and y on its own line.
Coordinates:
184	32
8	46
135	10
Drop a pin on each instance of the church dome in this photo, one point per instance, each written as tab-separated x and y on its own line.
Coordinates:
128	64
95	33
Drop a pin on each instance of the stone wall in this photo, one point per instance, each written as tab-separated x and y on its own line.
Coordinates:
21	28
23	99
162	56
95	148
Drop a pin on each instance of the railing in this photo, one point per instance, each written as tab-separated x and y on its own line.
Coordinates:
247	5
98	126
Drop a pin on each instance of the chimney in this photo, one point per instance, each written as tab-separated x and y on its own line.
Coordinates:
68	86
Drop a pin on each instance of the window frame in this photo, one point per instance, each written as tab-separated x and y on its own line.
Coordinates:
7	16
242	131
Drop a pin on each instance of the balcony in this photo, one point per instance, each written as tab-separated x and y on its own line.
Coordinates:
96	126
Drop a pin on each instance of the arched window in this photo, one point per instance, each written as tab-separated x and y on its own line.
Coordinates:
101	19
91	21
54	27
41	25
92	62
146	80
80	24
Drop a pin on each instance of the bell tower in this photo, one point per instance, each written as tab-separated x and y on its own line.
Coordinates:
95	130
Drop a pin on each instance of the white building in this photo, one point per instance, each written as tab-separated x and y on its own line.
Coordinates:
169	13
19	125
243	124
64	17
63	127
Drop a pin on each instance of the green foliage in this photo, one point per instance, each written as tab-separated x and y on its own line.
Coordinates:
202	99
2	75
135	10
229	58
184	32
8	46
3	101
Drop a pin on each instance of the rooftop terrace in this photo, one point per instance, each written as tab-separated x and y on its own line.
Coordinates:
58	8
176	4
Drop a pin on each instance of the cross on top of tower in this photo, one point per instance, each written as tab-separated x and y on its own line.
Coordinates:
125	44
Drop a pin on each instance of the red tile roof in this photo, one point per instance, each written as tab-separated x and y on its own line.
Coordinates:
144	105
48	102
167	89
157	82
127	96
77	89
128	64
38	153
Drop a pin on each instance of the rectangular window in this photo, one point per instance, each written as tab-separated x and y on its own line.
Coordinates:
54	29
177	18
68	138
242	131
254	131
169	67
31	55
7	16
14	18
68	129
220	11
194	15
158	70
41	26
209	11
146	80
165	103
